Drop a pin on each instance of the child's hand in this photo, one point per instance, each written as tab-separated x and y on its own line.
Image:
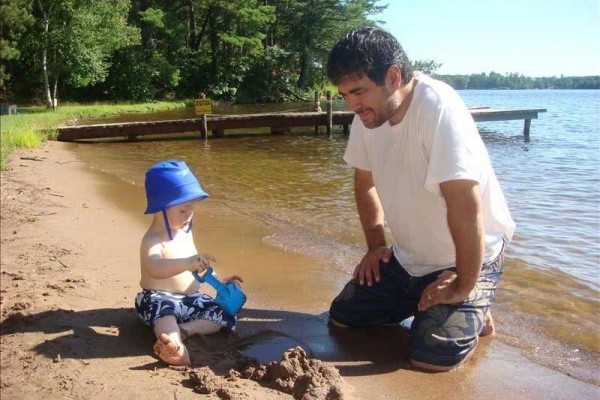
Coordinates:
238	279
200	262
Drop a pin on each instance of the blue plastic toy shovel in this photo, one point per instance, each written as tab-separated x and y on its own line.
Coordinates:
230	296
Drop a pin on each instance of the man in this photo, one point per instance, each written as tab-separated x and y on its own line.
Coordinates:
421	165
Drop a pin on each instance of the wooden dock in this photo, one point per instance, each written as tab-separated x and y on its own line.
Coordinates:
487	114
277	122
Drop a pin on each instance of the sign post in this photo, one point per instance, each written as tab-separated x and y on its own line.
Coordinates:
202	107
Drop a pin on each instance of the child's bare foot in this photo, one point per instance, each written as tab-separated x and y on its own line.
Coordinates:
171	352
488	324
183	333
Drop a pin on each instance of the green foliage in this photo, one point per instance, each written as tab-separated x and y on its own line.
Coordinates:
309	28
426	66
165	75
72	41
130	77
27	139
34	125
152	49
11	140
15	19
87	43
271	78
236	50
494	80
153	17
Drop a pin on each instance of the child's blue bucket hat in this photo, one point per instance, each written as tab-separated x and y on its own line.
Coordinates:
169	183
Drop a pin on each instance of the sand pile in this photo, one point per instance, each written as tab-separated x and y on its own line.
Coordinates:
295	374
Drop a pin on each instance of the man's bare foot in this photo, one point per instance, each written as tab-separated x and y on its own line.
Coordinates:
171	352
488	325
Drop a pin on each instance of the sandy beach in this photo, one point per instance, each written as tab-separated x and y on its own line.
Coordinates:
69	273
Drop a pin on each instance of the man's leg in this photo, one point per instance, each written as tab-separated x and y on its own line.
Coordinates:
444	336
382	303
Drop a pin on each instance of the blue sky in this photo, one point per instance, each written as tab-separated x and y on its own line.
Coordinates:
529	37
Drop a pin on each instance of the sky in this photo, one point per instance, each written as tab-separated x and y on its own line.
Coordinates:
534	38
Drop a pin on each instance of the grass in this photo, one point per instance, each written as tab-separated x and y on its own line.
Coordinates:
34	125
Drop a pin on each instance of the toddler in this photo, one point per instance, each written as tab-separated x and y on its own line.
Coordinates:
170	301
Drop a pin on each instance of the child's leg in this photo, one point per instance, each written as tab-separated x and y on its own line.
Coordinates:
169	346
198	327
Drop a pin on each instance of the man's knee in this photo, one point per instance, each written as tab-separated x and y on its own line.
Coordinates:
443	338
338	313
439	354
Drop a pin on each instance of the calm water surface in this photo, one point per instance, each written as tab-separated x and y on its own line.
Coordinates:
300	184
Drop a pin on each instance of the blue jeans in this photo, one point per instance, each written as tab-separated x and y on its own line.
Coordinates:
443	334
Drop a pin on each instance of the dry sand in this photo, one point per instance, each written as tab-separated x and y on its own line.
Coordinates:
69	272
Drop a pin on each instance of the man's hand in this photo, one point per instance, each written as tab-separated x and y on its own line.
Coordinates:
442	291
368	269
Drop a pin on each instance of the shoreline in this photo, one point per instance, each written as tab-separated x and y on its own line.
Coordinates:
68	287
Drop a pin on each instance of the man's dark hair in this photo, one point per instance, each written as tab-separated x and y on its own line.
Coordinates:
367	50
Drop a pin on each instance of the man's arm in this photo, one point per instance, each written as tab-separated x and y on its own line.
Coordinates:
371	219
369	208
465	220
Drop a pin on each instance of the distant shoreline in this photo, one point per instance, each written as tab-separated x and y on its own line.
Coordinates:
494	80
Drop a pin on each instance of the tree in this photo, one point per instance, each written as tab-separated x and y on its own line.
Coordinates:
309	28
75	39
236	35
426	66
15	19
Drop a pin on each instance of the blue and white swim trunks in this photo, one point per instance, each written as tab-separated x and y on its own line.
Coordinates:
152	305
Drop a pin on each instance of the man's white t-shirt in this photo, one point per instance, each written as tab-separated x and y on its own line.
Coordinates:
437	141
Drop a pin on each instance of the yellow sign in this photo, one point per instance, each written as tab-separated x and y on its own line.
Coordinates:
203	106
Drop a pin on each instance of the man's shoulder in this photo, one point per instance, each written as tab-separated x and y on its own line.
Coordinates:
435	88
435	94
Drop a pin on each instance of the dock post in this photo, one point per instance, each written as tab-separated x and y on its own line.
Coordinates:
317	108
329	113
526	130
203	127
346	129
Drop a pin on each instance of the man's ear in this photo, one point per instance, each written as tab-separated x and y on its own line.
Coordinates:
393	78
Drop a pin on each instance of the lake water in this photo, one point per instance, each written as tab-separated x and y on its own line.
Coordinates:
300	184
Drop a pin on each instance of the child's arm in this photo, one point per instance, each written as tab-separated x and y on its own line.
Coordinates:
159	267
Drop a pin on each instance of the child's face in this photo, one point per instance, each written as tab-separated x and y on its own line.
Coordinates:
181	214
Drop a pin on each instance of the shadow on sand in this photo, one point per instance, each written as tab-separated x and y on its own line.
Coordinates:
262	334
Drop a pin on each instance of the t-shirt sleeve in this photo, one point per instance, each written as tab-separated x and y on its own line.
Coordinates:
357	154
455	149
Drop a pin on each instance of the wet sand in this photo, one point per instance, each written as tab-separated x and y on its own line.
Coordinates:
69	251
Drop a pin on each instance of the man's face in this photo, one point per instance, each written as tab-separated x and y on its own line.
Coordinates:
374	104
